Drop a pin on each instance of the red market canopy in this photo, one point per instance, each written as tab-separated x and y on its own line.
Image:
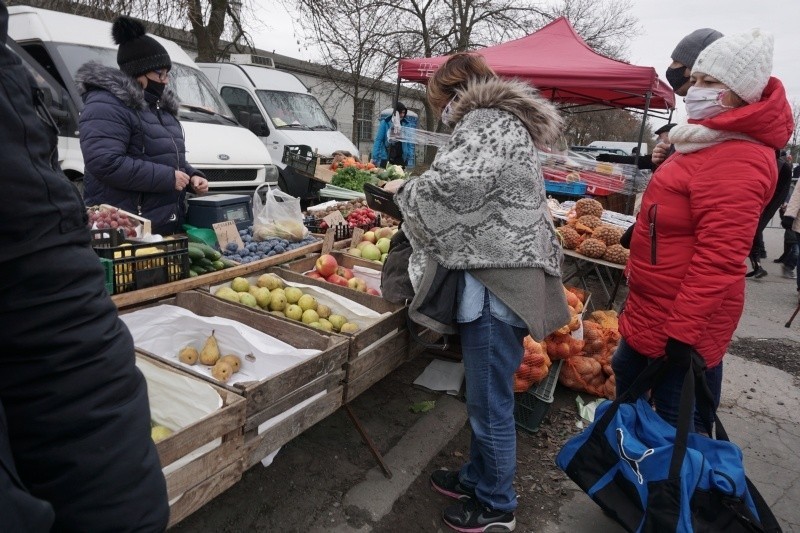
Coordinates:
562	66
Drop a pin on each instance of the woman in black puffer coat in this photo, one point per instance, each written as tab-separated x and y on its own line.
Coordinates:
132	142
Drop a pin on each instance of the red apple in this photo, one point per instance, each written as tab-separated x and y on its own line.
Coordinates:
345	272
374	292
326	265
314	275
337	280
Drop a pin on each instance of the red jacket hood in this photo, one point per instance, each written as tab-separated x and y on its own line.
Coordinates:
769	121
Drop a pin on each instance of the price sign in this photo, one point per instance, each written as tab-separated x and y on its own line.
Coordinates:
334	219
227	232
358	233
327	241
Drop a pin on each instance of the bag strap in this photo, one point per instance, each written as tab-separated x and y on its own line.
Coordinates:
412	331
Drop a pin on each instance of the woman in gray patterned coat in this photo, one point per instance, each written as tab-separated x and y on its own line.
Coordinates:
481	209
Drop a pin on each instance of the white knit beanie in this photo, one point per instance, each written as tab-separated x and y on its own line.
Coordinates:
743	62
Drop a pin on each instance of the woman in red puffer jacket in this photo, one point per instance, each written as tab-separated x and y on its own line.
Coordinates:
699	215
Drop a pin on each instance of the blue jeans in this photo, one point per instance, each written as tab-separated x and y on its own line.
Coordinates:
627	364
492	352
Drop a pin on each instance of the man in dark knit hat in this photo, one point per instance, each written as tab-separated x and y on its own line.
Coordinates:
75	446
132	142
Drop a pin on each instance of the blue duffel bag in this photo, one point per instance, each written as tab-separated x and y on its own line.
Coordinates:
651	477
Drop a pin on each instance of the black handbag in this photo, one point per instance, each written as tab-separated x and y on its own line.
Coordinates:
651	477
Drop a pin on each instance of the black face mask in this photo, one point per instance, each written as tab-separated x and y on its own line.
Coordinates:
676	77
156	88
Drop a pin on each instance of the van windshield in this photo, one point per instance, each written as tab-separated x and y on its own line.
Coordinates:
193	88
294	111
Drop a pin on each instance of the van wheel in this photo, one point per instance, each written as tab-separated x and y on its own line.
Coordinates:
77	180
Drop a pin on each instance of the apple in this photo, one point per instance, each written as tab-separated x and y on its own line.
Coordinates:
348	327
345	272
326	265
309	316
383	258
323	311
383	245
371	252
277	301
307	302
337	321
247	299
270	281
263	296
369	236
325	325
336	279
240	285
373	292
315	275
357	284
362	244
384	233
293	294
355	252
294	311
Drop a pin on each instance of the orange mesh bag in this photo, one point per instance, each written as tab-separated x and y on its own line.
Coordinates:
583	374
534	367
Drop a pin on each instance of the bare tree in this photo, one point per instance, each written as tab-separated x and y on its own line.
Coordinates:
599	123
350	35
208	20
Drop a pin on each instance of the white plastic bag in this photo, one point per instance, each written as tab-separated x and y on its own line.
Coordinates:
277	217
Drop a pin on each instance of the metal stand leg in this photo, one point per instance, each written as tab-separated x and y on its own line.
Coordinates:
368	441
613	296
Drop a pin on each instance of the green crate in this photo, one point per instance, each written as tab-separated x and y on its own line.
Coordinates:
108	271
531	406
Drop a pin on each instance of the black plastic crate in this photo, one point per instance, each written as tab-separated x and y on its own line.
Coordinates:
531	406
132	272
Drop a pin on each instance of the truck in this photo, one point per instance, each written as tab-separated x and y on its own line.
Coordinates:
231	157
279	109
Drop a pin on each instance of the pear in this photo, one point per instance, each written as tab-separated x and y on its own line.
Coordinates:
222	371
188	355
233	360
209	355
159	433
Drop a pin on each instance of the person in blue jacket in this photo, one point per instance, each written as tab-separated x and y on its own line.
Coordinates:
385	152
132	143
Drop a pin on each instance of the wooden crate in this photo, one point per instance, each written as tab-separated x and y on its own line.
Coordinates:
279	393
137	298
197	482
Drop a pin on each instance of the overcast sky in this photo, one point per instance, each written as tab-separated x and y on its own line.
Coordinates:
662	25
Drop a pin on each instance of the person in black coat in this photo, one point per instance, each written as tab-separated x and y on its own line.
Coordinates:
758	250
75	450
132	142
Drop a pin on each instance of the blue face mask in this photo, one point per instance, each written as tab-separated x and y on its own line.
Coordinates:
704	102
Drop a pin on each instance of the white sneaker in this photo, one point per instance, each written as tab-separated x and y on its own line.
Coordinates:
788	272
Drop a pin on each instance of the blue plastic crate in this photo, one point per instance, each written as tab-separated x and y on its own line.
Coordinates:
575	188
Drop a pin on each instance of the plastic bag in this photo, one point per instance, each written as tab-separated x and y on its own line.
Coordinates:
279	216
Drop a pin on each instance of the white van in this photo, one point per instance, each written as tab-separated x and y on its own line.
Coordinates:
276	106
627	147
231	157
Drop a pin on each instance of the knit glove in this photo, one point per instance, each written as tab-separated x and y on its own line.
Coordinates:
678	353
787	222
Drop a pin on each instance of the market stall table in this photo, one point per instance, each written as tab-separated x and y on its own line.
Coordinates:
585	266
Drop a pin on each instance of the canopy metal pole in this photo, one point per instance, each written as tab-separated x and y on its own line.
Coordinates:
396	94
631	197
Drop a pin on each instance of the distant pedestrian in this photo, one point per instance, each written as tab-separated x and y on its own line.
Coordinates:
387	149
791	221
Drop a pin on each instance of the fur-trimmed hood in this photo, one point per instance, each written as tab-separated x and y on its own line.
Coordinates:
541	118
94	75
